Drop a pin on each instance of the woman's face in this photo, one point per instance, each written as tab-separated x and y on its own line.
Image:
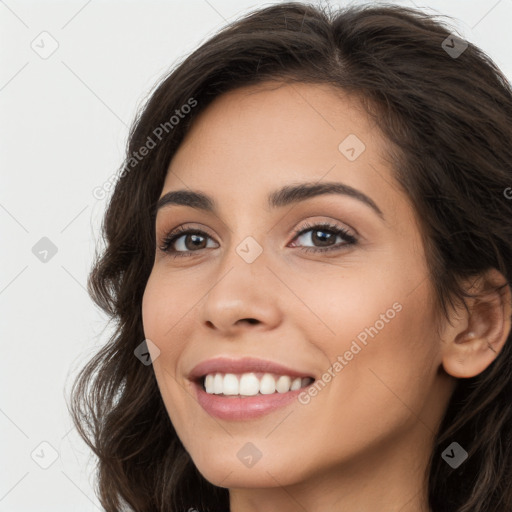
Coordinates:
353	311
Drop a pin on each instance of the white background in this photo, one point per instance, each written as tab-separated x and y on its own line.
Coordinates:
64	123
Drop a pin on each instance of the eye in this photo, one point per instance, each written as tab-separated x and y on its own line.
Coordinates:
184	242
325	235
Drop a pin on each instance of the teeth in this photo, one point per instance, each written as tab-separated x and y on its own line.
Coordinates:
297	384
230	384
208	383
218	384
267	384
248	384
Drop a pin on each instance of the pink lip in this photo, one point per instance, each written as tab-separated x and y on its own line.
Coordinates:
244	365
246	408
242	408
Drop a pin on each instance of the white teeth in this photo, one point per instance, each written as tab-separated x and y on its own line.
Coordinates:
230	384
283	384
208	383
218	384
296	384
267	384
248	384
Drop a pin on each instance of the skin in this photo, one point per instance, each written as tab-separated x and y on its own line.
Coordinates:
363	442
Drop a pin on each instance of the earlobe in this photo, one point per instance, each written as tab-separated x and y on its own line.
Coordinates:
478	336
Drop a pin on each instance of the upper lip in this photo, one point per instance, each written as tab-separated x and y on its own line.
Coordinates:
244	365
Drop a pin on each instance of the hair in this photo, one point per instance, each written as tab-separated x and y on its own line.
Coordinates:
447	121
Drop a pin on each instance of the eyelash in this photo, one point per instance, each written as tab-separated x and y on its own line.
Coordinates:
169	239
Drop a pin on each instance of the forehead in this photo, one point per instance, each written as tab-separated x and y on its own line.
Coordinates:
253	140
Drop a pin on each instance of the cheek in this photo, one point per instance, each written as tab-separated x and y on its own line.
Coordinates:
161	312
164	303
391	357
386	304
152	303
407	355
344	304
381	326
159	316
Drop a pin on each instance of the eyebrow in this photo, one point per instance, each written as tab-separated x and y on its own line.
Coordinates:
289	194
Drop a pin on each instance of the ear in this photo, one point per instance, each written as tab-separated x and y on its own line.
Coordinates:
476	337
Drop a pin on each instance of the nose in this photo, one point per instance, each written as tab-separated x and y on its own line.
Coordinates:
243	296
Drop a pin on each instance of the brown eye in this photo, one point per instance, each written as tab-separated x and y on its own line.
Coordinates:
185	241
323	237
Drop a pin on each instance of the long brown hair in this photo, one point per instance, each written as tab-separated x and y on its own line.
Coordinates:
448	121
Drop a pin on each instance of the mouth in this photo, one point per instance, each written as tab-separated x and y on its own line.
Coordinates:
257	395
248	384
247	388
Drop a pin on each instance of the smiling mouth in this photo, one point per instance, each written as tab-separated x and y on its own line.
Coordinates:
240	385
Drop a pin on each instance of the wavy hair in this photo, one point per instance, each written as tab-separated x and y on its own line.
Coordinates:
447	120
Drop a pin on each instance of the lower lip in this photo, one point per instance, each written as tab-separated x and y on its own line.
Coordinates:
237	408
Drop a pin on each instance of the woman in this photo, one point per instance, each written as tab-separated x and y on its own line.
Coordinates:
310	240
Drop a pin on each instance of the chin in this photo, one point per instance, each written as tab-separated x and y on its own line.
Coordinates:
229	472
